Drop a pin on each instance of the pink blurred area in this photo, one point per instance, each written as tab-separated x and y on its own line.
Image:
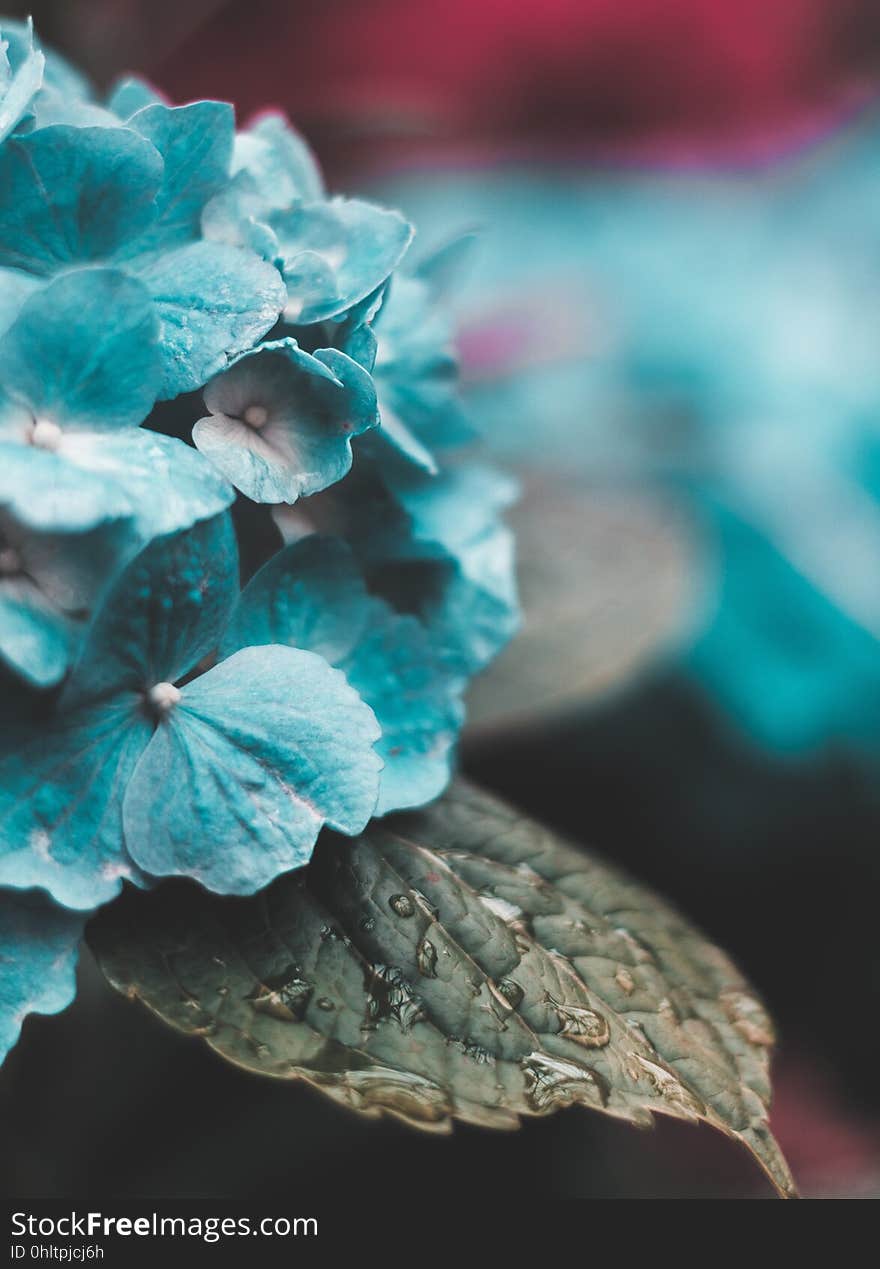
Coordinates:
392	80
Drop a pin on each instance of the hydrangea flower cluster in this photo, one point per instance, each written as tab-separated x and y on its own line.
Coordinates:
245	568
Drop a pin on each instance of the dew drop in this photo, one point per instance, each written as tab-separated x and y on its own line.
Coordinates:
402	904
511	991
666	1085
551	1082
625	980
426	959
584	1026
284	999
390	995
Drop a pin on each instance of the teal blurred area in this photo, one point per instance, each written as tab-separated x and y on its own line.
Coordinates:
714	337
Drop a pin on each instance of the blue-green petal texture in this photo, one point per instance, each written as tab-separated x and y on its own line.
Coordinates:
335	254
46	491
242	774
38	953
61	788
453	557
83	353
130	94
15	287
312	595
234	216
282	420
195	143
279	162
164	614
63	781
74	195
158	482
49	584
59	74
21	75
416	374
214	302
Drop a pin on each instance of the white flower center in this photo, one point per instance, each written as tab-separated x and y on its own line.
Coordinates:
163	697
256	416
46	434
10	562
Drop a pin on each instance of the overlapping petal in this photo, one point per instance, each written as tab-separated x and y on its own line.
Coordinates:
312	595
336	253
38	954
214	302
74	195
21	74
50	582
258	755
282	420
83	354
442	550
195	143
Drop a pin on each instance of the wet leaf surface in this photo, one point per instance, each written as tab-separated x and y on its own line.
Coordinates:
458	963
608	583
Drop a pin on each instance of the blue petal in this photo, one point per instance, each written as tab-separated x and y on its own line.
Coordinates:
233	216
49	582
15	287
162	615
61	790
279	163
336	254
72	195
311	595
453	561
214	301
53	107
196	145
416	374
21	74
59	73
311	407
158	482
46	491
36	639
130	94
38	954
239	778
83	352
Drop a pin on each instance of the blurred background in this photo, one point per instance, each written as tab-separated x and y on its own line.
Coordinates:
670	331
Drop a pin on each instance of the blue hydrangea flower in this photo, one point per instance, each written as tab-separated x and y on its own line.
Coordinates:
332	253
185	313
282	420
226	777
133	196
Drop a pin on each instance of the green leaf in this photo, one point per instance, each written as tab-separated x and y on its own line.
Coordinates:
458	963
